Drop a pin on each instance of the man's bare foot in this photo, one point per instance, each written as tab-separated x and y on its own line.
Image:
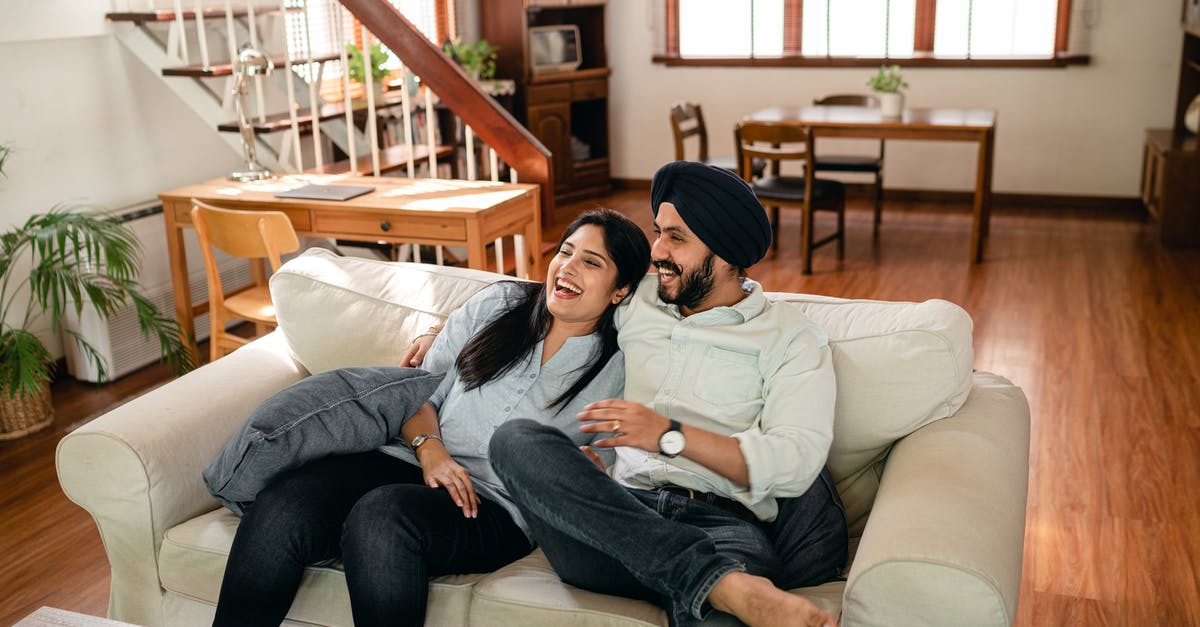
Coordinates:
758	603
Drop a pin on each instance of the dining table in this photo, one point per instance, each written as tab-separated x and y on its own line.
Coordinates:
914	123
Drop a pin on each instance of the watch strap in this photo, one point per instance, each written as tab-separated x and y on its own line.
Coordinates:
424	437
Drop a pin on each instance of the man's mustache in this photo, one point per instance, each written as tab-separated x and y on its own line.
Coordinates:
668	266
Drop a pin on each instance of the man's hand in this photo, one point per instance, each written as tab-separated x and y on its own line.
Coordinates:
632	423
441	471
415	355
587	450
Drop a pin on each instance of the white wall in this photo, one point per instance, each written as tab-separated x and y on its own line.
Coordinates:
88	122
1073	131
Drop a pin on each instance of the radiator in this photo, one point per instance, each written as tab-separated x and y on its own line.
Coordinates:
118	339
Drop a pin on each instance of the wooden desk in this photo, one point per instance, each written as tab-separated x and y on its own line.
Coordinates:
971	125
420	211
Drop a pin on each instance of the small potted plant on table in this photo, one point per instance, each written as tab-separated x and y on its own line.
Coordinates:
887	83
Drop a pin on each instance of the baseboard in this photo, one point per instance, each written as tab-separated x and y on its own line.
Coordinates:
864	190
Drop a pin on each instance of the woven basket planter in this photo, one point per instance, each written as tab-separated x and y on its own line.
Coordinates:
25	414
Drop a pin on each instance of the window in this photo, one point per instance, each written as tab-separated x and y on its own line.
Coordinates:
434	18
868	32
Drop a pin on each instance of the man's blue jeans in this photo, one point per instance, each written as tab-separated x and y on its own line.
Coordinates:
606	538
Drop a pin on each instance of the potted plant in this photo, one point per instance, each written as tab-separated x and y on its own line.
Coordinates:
478	60
887	83
355	67
57	263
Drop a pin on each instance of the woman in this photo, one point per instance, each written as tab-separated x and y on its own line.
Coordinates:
400	515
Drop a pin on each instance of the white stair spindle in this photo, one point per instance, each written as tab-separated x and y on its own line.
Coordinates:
406	111
339	14
493	163
522	269
416	253
260	99
431	132
179	24
441	256
313	108
291	98
231	37
372	126
201	34
470	138
500	255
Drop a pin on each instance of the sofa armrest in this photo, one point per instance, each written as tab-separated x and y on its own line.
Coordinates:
944	542
136	469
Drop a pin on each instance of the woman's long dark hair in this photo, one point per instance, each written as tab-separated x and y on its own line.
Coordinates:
508	339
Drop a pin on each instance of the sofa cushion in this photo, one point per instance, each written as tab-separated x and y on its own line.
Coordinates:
527	592
349	410
192	564
899	367
346	311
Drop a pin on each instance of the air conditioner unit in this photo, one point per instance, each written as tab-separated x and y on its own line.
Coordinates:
118	339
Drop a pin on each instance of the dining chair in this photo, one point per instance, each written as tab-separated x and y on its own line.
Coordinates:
869	164
687	121
253	235
780	143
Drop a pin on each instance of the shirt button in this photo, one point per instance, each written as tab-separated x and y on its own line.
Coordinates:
678	348
667	391
508	409
533	376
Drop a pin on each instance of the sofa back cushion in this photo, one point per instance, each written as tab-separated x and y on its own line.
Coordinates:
346	311
900	366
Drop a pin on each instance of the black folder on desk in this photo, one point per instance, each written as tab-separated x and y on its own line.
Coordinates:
326	192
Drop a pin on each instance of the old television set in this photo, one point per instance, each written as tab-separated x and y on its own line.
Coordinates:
554	48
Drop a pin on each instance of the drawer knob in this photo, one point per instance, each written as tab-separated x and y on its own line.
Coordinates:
385	226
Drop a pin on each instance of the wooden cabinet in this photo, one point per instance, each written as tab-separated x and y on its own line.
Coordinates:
1171	185
1171	157
566	111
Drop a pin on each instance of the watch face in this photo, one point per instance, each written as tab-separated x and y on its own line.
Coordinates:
671	443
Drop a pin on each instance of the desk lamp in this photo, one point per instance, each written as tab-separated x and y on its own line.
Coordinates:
250	62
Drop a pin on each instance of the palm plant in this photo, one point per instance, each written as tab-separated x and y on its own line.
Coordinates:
76	258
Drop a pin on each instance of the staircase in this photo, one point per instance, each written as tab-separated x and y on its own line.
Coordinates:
296	129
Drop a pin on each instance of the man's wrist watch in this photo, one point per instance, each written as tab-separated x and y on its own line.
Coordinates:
671	442
423	438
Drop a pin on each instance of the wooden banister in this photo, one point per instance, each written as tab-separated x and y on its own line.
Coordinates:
511	140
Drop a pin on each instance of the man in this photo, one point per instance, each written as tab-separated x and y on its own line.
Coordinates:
737	411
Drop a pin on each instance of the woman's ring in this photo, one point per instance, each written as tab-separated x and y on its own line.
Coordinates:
616	427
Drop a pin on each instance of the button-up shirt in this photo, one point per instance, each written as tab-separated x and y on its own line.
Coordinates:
468	418
757	371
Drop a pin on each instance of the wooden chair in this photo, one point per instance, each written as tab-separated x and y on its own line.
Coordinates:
779	143
252	235
687	120
869	164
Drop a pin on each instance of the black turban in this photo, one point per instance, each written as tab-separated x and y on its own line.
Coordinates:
718	206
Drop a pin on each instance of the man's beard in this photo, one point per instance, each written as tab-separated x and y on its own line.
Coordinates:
693	287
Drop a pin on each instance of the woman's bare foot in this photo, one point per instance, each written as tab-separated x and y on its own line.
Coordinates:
757	602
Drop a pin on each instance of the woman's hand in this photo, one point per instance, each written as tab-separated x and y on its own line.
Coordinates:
415	355
441	471
632	424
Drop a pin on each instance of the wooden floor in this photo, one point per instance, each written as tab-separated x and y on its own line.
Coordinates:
1081	308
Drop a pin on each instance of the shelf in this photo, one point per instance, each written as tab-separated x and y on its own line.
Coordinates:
577	75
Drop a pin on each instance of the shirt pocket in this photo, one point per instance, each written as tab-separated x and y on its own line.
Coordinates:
727	377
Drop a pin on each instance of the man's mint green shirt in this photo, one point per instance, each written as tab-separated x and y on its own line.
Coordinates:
758	371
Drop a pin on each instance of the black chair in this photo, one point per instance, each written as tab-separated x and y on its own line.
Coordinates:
869	164
687	120
779	143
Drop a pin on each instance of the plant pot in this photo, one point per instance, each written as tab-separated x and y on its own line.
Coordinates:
22	415
891	104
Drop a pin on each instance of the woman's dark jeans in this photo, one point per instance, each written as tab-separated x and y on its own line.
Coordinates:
374	512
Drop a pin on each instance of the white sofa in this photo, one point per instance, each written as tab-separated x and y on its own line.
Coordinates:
930	457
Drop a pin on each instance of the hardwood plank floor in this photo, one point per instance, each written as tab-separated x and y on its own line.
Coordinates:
1082	308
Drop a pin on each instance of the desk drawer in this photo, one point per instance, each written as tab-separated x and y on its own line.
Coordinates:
589	90
384	225
299	217
542	94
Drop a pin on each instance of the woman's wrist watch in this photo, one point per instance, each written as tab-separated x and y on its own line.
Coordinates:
423	438
671	442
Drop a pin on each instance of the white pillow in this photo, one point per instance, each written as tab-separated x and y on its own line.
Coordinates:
899	367
346	311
